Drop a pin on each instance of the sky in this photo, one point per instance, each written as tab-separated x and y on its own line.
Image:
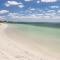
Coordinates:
15	9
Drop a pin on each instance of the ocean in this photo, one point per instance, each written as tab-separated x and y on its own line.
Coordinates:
47	36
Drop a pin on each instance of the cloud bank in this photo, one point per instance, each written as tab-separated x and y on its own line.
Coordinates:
14	3
3	11
48	0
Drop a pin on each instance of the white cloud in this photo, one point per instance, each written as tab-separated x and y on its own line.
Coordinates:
3	11
38	1
28	0
54	7
49	14
2	17
32	9
48	0
21	6
14	15
51	11
7	5
41	13
14	3
58	11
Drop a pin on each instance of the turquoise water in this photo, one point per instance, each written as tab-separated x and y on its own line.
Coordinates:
38	30
49	37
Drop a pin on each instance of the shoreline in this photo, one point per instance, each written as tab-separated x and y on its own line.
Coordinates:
32	45
19	49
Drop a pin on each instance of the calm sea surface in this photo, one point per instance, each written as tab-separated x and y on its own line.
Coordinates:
49	37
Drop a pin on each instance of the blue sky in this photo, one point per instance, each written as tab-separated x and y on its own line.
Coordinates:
10	9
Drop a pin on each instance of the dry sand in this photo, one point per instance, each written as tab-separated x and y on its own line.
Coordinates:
14	50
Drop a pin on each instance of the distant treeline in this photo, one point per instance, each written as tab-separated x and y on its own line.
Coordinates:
1	21
44	24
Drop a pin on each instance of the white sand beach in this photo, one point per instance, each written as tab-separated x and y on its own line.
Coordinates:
12	49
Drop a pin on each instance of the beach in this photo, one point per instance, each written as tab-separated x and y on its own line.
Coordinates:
15	46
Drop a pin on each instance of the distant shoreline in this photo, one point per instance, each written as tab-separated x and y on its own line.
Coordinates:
44	24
